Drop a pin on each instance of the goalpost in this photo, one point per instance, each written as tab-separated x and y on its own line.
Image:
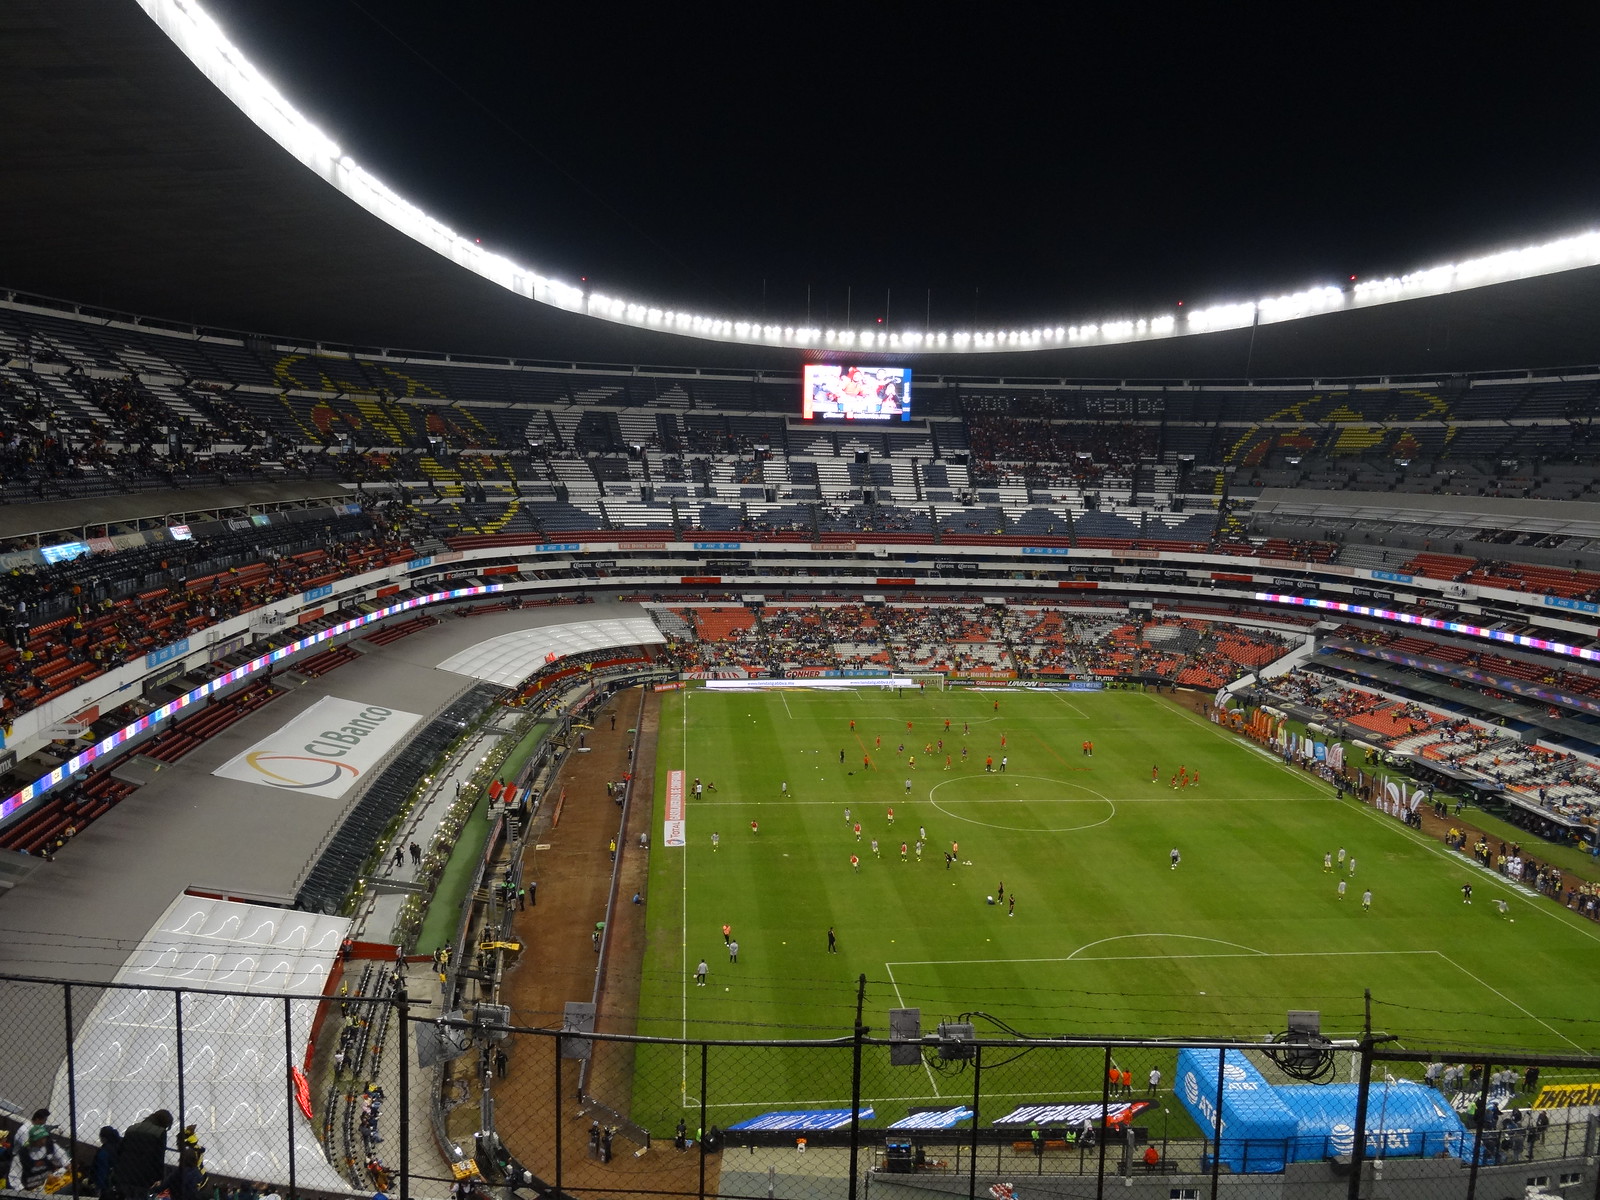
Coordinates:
931	681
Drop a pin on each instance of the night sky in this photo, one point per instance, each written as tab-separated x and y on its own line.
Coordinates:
1011	164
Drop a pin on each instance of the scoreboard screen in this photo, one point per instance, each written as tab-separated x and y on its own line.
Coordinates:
855	393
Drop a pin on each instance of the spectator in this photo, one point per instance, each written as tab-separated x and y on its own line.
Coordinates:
141	1163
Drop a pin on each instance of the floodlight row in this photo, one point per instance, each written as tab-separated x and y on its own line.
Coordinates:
205	44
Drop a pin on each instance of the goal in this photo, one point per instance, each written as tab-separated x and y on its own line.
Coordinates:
929	682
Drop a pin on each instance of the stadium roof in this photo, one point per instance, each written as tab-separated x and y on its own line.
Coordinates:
134	185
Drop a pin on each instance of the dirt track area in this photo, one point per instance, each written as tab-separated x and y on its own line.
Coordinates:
559	960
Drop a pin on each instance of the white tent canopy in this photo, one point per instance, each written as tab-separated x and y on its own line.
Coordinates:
512	657
235	1058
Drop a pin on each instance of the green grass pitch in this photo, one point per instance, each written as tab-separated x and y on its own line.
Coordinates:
1107	938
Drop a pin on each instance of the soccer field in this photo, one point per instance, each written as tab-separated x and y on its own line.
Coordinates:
1107	936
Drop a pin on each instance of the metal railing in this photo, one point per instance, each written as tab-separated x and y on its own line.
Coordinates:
836	1117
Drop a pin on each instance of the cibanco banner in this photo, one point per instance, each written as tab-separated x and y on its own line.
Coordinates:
324	750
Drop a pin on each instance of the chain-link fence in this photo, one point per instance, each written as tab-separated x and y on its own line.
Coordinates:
363	1090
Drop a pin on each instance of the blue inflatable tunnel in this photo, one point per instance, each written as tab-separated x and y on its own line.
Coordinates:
1404	1120
1255	1130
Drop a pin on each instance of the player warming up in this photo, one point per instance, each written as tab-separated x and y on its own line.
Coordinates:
1174	858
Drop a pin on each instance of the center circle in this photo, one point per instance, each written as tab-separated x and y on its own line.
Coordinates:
991	797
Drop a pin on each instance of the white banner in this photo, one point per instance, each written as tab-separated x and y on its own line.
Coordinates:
672	823
324	750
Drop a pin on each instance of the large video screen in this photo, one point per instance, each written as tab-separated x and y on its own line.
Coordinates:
848	393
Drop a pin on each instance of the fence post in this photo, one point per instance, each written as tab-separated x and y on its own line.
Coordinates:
855	1090
1588	1144
1477	1133
705	1051
402	1004
977	1084
72	1081
1216	1144
556	1042
288	1083
1105	1107
177	1032
1358	1147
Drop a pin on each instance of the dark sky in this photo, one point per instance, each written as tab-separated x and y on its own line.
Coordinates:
1010	163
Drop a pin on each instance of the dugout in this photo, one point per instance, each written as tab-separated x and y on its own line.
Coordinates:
1256	1127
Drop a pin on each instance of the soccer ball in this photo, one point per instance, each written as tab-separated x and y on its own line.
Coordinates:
727	989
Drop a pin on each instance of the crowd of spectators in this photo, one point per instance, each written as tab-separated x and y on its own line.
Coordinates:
962	640
1083	450
103	625
1558	782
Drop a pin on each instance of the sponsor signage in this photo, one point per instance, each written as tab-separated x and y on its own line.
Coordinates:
231	646
1391	576
1582	606
1071	1114
167	653
317	593
64	552
558	547
718	545
940	1118
672	824
1567	1095
324	750
1053	551
161	678
814	1121
669	687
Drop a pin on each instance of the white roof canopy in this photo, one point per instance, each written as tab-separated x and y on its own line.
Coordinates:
235	1058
